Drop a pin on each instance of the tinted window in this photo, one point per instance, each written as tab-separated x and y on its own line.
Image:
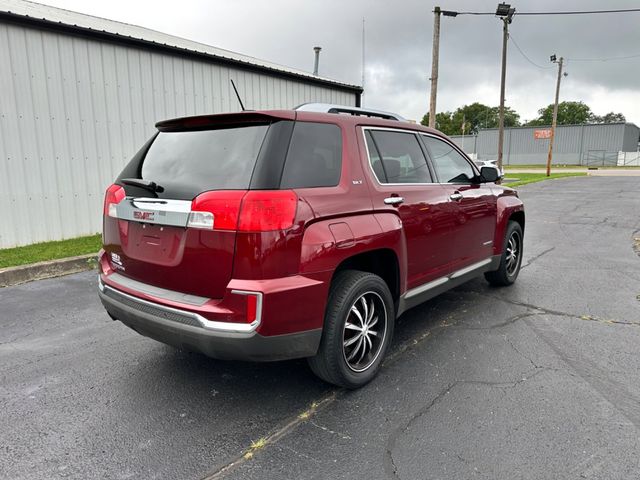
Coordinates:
206	159
402	158
315	156
451	166
374	158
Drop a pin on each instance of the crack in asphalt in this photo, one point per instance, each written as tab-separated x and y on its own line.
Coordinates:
558	313
615	393
536	257
506	323
389	464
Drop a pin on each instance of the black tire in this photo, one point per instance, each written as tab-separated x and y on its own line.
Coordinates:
336	362
509	267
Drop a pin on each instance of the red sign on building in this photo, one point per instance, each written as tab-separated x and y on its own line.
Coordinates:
543	133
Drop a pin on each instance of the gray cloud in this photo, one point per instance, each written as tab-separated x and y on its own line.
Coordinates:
398	46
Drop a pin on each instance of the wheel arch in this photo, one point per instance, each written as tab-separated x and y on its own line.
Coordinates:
509	208
383	262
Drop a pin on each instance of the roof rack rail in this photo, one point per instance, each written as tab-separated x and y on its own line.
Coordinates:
330	108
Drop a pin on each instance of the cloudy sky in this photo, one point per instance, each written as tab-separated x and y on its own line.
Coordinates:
398	46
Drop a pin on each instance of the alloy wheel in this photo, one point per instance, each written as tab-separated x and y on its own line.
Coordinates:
513	253
364	331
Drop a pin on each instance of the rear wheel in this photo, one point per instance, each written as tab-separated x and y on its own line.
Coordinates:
357	332
511	258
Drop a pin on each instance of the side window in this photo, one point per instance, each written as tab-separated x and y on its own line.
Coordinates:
398	155
315	156
374	158
450	166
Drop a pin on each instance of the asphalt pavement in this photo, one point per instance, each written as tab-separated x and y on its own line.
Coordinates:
540	380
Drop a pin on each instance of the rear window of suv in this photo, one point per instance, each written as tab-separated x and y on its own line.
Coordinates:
205	159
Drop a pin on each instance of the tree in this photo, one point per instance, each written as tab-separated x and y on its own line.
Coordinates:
569	113
444	122
610	117
474	117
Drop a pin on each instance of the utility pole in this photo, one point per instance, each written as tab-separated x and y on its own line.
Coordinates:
555	112
505	12
434	66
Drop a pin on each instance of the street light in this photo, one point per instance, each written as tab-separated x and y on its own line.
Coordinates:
505	12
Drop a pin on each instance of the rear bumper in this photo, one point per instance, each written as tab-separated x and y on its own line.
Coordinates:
184	328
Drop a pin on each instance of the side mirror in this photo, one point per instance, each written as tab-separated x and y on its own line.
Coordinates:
489	174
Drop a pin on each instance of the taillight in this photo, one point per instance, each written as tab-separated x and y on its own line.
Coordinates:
112	197
217	210
266	210
252	211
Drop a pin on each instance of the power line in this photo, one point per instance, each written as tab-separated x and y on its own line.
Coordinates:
588	12
606	59
513	40
584	12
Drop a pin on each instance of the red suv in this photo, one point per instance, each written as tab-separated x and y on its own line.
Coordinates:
298	233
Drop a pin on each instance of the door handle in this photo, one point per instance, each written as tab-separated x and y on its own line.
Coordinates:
456	196
393	200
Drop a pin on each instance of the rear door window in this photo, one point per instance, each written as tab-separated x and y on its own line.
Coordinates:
450	165
205	159
397	156
315	156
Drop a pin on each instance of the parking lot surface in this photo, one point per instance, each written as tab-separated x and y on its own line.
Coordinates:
538	380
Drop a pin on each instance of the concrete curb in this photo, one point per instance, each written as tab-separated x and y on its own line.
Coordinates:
53	268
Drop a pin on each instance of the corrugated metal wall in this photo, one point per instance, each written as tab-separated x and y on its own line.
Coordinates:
574	144
74	110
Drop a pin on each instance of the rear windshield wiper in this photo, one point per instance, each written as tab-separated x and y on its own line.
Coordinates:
146	184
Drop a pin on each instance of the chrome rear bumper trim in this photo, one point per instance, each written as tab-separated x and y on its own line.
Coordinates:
228	327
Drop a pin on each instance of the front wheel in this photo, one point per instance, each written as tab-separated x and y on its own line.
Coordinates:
357	331
511	258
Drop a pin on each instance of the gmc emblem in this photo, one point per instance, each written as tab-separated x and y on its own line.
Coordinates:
138	215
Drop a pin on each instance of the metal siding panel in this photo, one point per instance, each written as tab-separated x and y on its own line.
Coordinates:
43	142
88	140
25	154
179	88
159	87
101	115
78	173
148	95
59	156
136	92
110	93
217	78
12	152
263	92
124	119
630	138
168	86
256	99
199	100
207	90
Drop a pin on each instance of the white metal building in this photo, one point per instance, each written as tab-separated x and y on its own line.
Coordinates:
79	95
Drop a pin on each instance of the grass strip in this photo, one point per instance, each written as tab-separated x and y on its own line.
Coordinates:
40	252
519	179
